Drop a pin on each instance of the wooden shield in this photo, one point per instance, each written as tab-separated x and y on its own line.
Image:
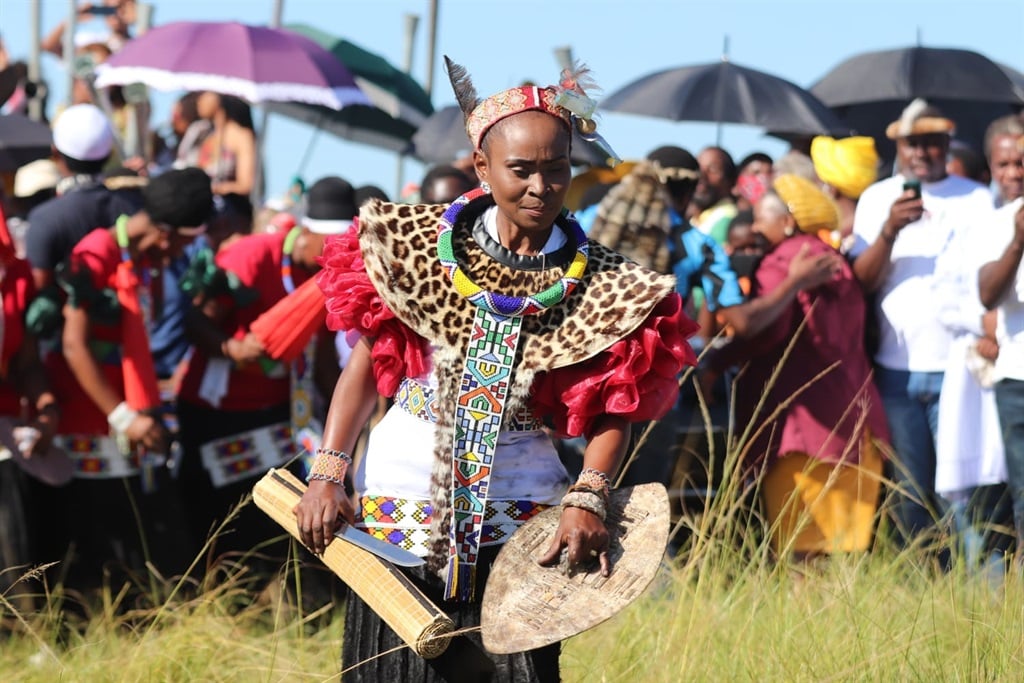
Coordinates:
527	606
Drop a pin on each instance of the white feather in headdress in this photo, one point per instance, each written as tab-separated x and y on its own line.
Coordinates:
910	114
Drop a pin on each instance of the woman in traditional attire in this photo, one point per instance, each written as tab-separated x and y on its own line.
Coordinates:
106	378
483	319
806	398
237	406
21	449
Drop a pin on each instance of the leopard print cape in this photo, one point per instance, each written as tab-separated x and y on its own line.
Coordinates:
398	247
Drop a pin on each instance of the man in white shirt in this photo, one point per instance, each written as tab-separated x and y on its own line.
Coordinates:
902	227
1001	287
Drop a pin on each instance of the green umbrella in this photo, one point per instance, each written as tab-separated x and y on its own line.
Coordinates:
400	104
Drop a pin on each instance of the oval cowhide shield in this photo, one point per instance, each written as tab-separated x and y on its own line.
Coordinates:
527	606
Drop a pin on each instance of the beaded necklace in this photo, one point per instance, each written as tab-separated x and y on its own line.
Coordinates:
306	429
497	302
286	259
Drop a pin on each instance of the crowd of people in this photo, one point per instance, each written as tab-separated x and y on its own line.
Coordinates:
865	322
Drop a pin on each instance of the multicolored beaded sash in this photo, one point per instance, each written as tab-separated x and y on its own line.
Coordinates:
406	523
483	390
247	454
98	457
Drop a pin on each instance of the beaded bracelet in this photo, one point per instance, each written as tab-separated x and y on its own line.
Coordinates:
586	500
594	479
329	465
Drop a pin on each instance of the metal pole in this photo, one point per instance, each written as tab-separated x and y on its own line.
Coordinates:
563	56
428	83
412	22
719	93
69	49
35	103
258	178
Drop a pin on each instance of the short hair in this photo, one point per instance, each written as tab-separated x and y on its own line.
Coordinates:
1005	125
796	163
442	171
83	166
180	198
189	106
365	193
435	173
728	165
973	163
752	157
772	198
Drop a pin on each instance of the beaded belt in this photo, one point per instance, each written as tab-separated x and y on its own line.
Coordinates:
420	401
406	523
248	454
98	457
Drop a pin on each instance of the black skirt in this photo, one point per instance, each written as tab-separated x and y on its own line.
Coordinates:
465	660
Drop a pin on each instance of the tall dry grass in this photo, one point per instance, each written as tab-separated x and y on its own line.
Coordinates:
726	608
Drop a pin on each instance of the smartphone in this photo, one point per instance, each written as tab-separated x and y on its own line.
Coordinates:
102	10
914	185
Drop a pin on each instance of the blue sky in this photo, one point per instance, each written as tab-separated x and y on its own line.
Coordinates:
503	42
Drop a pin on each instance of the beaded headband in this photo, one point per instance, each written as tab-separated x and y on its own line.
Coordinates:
567	101
509	102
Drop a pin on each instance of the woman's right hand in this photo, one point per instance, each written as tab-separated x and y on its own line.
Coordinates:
810	270
248	349
319	513
148	431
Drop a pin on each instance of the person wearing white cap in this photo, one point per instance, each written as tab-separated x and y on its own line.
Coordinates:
82	143
234	398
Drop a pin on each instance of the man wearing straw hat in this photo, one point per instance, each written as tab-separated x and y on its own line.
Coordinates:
905	230
237	399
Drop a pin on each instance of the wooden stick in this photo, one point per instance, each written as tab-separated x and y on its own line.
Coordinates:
388	592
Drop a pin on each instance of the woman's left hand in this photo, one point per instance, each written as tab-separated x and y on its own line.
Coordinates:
585	537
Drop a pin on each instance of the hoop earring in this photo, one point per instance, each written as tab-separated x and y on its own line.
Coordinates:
486	187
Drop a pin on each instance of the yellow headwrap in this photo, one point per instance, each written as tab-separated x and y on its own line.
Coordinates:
850	165
812	210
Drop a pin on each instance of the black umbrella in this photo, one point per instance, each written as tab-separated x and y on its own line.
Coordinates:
723	92
870	90
22	140
442	139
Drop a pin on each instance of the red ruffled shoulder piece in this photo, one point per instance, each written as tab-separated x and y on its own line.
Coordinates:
353	305
636	378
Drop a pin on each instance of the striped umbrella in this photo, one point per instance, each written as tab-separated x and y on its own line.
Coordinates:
398	104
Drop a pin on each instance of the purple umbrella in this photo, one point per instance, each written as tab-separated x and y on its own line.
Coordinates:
255	63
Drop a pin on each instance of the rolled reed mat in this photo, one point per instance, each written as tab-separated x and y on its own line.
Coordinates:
388	592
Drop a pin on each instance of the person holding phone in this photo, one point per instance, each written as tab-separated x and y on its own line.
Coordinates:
908	230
